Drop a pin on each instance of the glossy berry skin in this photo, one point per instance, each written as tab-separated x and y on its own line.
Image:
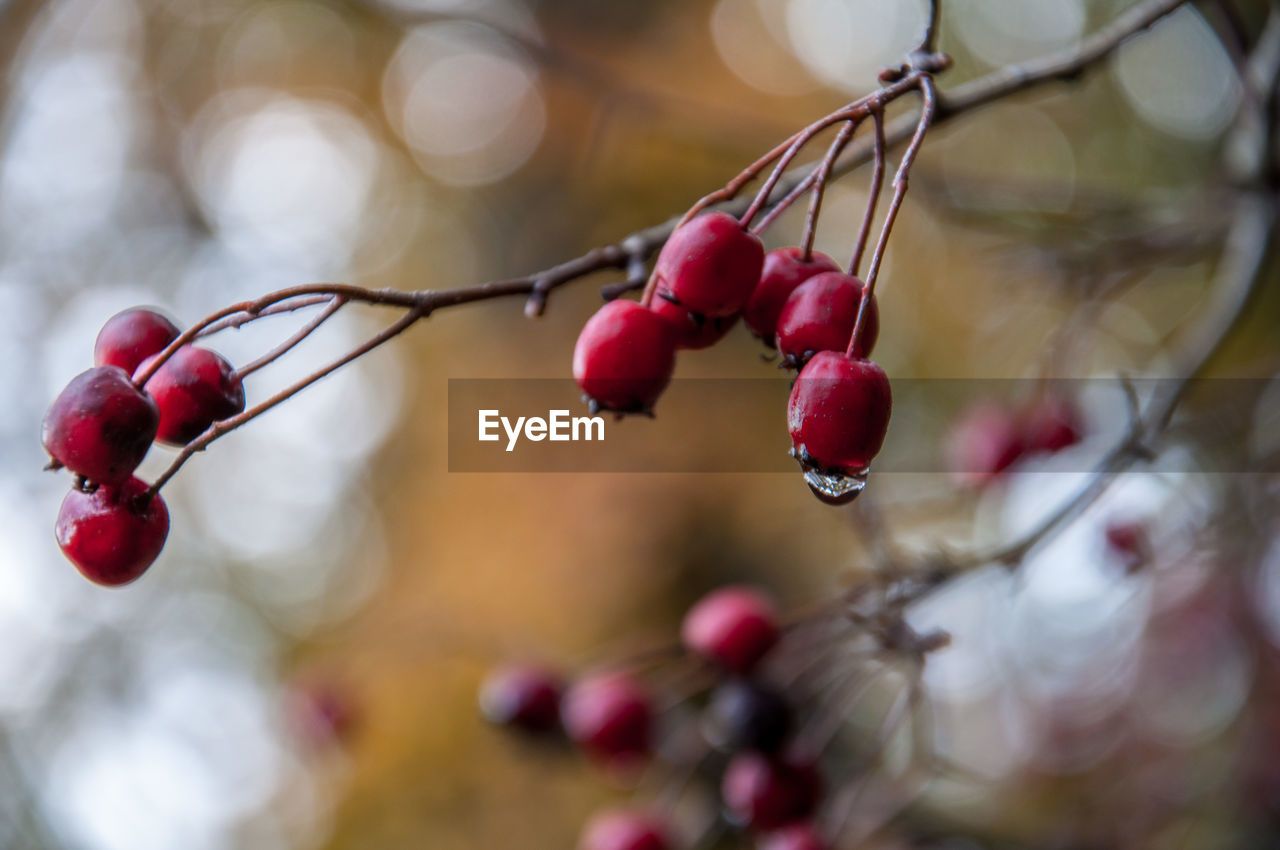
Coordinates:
746	715
984	443
610	717
1051	424
711	265
132	336
522	697
766	792
799	836
194	388
112	534
692	331
101	425
838	413
819	316
624	357
621	829
784	270
733	627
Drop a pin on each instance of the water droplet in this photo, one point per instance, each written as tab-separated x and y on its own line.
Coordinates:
836	488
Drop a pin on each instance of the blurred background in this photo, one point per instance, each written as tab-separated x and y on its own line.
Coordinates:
299	668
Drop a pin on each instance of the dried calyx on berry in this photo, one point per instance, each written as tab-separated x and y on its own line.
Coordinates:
693	331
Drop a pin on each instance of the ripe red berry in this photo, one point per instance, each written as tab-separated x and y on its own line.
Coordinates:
819	316
130	337
838	416
693	331
194	388
733	626
984	443
797	836
524	697
745	715
114	533
711	265
101	425
1128	541
624	357
609	716
784	270
1051	424
620	829
764	792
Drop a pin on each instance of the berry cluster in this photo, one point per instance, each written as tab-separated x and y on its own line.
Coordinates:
712	272
989	438
769	786
142	389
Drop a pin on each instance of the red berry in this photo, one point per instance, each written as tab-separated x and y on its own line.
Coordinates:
784	270
819	316
763	792
130	337
1128	540
984	443
609	716
194	388
693	331
798	836
838	416
523	697
619	829
624	357
733	626
114	533
1051	424
711	265
101	425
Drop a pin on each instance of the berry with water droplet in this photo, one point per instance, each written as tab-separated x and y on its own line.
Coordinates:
693	331
194	389
797	836
733	626
609	716
984	443
623	829
113	533
838	416
746	715
784	270
711	265
132	336
523	697
101	425
819	316
765	792
624	357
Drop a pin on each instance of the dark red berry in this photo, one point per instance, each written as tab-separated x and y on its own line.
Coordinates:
784	270
624	357
798	836
839	413
609	716
130	337
194	388
523	697
765	792
621	829
101	425
744	715
819	316
114	533
692	331
984	443
733	626
1051	424
711	265
1128	541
